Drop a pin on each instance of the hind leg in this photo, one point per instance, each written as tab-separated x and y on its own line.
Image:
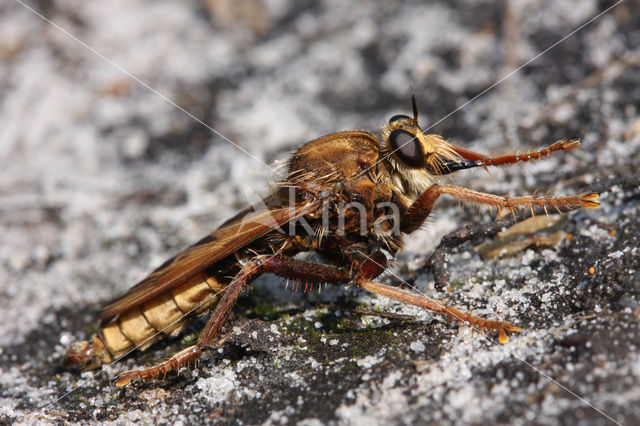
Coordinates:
280	265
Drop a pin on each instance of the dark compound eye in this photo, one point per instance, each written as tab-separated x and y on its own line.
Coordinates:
399	117
407	148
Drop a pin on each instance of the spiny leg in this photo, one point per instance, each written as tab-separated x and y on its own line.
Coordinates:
280	265
564	203
503	160
374	266
214	324
288	267
436	306
420	209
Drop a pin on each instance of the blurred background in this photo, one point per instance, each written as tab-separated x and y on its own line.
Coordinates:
123	131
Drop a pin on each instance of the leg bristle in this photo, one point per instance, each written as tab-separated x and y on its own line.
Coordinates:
183	357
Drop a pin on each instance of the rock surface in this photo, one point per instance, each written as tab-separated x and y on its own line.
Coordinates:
109	167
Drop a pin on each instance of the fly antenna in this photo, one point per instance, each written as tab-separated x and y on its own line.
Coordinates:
414	105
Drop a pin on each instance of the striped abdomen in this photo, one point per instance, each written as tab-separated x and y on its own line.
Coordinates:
140	327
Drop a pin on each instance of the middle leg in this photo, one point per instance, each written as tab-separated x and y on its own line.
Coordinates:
376	263
436	306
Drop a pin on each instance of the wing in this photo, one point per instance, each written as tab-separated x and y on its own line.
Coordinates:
237	232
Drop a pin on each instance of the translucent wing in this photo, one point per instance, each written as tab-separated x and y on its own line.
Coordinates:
234	234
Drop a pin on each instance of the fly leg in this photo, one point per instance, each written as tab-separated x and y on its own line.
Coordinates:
377	263
279	265
418	213
288	267
214	324
436	306
420	209
503	160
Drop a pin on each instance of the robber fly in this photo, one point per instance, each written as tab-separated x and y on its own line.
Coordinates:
393	181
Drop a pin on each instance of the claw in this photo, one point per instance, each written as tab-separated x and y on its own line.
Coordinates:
502	332
125	378
570	143
589	201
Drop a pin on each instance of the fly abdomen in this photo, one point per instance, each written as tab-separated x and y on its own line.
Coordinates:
144	325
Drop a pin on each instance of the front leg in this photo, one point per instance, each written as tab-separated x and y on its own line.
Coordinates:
503	160
420	209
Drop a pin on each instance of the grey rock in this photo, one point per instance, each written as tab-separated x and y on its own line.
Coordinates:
104	176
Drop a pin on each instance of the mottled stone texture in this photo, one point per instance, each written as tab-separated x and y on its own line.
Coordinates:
102	178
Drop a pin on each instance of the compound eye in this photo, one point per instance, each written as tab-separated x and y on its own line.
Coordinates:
407	148
399	117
